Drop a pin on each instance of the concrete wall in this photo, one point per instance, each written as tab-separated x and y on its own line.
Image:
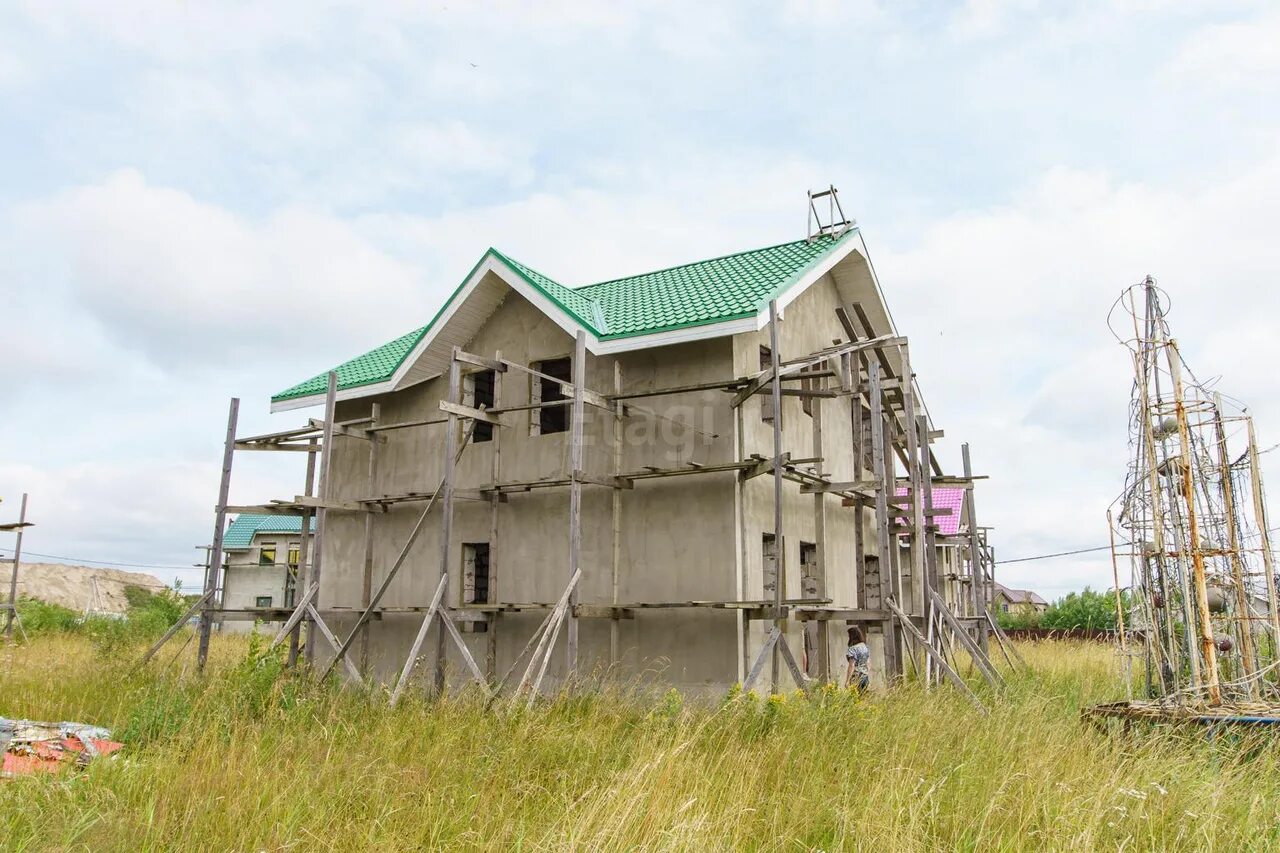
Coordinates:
808	324
680	537
676	538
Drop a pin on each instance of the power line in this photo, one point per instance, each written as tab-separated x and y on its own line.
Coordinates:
1091	550
1059	554
107	562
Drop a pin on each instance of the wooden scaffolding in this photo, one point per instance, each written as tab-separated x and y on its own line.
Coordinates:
898	588
10	606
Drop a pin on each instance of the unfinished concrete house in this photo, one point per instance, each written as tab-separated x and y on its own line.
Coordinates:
680	477
260	565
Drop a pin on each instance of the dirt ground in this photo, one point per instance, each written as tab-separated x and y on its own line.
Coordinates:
76	587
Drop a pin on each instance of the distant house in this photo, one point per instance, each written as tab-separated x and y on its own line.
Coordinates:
261	567
1020	601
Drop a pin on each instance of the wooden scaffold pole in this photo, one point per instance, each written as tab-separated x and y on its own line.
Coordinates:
575	499
326	455
780	549
213	572
495	552
819	645
366	579
976	580
11	617
446	510
919	581
880	466
304	555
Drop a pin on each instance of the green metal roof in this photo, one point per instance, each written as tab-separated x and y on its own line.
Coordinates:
240	534
725	288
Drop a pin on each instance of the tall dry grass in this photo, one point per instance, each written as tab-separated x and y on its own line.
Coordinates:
251	759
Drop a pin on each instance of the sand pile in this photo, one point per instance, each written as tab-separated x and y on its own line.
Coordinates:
75	586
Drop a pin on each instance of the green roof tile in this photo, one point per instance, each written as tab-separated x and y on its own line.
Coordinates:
695	294
240	534
374	366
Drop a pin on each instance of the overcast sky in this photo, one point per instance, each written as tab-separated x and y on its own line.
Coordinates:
201	200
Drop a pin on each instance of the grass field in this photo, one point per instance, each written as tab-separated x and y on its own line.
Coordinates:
251	759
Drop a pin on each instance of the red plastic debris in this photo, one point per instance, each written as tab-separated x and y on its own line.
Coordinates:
33	747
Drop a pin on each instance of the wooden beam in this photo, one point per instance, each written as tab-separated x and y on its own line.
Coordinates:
577	414
266	509
274	446
469	412
856	614
766	651
867	486
310	502
366	568
175	627
979	657
884	559
817	641
615	515
936	656
591	398
495	552
928	513
494	364
779	586
446	506
326	458
304	552
753	385
763	466
348	431
919	580
212	571
608	482
418	640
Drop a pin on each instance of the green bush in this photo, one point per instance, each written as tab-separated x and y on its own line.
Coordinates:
150	614
1086	609
39	617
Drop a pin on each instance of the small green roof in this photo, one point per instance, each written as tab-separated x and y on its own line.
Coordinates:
730	287
240	534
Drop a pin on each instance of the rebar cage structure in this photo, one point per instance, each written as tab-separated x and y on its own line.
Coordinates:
1200	618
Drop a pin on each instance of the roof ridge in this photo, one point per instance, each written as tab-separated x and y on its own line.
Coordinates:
695	293
737	254
504	256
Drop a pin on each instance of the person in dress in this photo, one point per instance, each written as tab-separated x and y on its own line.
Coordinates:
858	655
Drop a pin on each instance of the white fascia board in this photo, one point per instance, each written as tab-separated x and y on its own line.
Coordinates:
343	394
495	265
571	327
674	336
803	283
492	264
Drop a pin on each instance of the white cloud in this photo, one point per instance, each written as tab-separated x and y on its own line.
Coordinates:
1239	54
317	179
184	282
624	218
143	512
1006	309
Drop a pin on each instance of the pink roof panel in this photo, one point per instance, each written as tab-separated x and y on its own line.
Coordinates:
944	497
